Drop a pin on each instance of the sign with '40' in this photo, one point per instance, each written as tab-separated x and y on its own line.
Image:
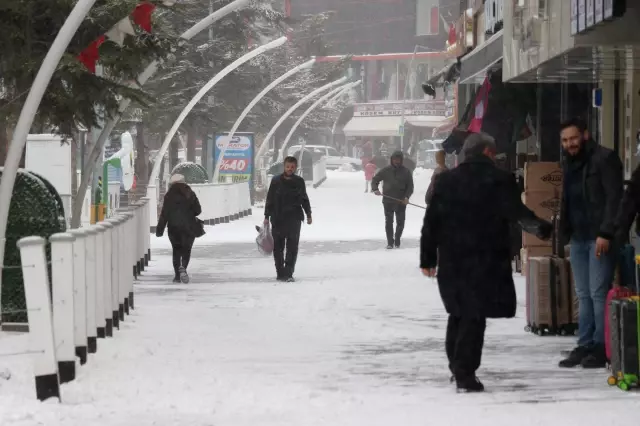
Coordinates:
238	157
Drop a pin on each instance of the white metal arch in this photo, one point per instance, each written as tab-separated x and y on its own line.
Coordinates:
207	87
336	91
249	107
286	115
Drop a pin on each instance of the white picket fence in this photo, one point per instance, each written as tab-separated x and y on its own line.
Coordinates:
221	203
93	270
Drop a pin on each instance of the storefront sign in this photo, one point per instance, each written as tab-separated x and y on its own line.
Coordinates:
582	15
598	9
238	158
590	13
430	108
586	14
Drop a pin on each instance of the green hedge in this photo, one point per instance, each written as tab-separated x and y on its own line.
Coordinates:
35	210
192	172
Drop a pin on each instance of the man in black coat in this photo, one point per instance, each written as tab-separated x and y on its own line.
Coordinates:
466	234
287	203
179	210
397	188
592	190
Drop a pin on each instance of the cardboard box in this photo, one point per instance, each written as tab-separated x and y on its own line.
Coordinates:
543	177
545	205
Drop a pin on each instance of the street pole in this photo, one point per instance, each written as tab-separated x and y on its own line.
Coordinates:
201	93
28	113
249	107
404	92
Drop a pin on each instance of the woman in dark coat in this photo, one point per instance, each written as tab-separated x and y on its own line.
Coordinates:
179	214
466	234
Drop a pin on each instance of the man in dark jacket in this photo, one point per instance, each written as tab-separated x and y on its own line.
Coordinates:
466	234
592	190
397	188
287	203
179	210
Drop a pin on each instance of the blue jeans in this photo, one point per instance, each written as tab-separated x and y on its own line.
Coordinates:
593	278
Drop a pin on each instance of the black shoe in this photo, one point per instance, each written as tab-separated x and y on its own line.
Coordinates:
575	357
397	245
389	246
184	277
176	280
597	358
469	384
281	278
290	280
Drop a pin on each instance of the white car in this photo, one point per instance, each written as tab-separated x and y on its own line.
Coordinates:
333	156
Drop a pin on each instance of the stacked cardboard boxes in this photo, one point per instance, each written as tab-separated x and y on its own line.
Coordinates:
542	194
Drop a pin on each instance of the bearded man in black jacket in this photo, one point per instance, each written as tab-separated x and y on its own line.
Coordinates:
287	203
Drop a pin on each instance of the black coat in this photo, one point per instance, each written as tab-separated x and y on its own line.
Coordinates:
466	233
179	210
287	200
602	181
397	182
629	209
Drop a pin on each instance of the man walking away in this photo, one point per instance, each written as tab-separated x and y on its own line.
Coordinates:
369	171
466	234
397	187
179	210
441	166
287	203
590	200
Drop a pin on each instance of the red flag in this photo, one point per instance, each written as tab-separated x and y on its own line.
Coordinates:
142	15
480	106
91	54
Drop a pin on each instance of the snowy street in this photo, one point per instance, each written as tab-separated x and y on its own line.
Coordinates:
357	340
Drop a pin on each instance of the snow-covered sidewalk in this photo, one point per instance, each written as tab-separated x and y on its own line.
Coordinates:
358	340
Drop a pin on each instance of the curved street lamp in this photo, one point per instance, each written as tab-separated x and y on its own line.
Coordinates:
249	107
207	87
335	92
286	115
28	113
148	72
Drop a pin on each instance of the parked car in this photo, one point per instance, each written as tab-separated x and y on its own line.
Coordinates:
333	156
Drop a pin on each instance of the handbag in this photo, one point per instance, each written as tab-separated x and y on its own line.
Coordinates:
199	228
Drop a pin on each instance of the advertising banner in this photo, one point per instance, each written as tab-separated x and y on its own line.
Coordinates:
237	164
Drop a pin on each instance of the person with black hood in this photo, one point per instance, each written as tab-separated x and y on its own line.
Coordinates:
592	191
397	188
287	203
467	237
180	209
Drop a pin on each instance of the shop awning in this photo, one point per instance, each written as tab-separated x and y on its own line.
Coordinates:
373	126
389	126
425	121
474	65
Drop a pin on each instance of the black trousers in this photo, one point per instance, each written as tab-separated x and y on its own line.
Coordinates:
182	245
464	342
286	235
398	210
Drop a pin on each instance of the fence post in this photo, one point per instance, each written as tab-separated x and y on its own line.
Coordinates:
79	295
38	298
90	283
100	319
107	282
115	270
147	238
63	309
123	270
131	258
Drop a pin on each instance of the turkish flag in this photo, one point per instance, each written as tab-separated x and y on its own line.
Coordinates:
91	54
142	15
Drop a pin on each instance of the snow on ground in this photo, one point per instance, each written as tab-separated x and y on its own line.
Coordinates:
357	341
